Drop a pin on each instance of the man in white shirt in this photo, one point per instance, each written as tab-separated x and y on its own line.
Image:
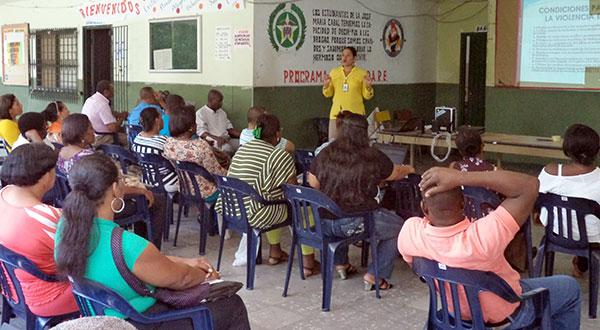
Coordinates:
213	124
106	124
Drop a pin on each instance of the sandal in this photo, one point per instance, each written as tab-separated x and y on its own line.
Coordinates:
276	261
346	270
383	285
315	270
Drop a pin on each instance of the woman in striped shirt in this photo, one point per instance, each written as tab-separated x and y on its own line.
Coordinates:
265	167
150	142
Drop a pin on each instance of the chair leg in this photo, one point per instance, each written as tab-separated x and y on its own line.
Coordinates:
375	261
221	244
364	254
169	218
178	223
529	247
549	269
329	253
594	270
31	321
288	272
539	260
259	252
203	218
300	261
251	263
6	311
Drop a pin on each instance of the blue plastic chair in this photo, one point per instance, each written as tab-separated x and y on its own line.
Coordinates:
142	214
304	159
132	132
307	202
438	275
479	202
56	196
190	196
120	154
568	212
10	261
94	299
408	196
233	193
152	177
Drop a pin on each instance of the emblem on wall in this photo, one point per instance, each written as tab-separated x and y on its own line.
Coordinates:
287	27
393	38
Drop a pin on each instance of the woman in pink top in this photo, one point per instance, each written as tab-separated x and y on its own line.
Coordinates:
27	226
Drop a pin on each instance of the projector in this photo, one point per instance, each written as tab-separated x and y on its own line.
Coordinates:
444	120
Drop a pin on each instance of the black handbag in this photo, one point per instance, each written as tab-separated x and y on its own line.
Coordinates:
176	298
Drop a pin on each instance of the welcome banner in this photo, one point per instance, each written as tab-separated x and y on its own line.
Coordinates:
116	11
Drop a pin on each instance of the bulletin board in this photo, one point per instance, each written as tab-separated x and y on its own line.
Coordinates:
175	45
15	54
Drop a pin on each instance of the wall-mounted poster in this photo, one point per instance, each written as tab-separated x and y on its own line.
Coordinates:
15	54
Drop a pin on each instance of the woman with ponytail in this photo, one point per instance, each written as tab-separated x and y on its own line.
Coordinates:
54	113
27	226
87	225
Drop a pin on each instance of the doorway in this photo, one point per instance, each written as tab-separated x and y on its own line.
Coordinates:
97	57
473	55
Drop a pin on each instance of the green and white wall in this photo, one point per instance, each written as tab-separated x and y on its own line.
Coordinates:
424	74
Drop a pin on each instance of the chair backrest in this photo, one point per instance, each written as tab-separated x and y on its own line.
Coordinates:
438	276
120	154
56	196
408	196
11	288
235	192
306	204
132	132
563	214
151	165
94	299
189	187
305	158
479	202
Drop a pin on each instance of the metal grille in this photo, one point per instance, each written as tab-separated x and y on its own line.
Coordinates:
120	52
53	64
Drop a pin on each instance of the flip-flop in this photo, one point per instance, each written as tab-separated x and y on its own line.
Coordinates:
276	261
383	285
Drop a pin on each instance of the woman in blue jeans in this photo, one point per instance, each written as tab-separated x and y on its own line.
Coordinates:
350	171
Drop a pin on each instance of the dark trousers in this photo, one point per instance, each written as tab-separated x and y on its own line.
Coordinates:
227	314
157	218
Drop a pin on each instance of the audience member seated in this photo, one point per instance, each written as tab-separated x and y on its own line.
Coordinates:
77	135
448	237
580	178
350	171
105	122
148	99
213	124
27	226
87	225
173	102
470	146
10	108
150	142
265	167
33	128
55	113
247	134
180	146
339	119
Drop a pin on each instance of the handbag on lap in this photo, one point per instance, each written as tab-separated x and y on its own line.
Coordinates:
190	297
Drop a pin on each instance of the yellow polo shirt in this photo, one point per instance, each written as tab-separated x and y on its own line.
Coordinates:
9	132
351	100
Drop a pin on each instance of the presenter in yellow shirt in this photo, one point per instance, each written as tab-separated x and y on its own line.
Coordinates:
349	85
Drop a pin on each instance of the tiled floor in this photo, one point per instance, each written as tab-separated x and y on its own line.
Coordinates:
403	307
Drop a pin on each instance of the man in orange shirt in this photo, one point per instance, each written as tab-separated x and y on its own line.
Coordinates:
446	236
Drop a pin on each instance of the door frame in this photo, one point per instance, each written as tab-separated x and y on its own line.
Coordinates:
88	58
465	81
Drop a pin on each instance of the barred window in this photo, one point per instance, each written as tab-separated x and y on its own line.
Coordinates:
53	58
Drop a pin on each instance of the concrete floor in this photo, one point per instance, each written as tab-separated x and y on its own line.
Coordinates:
403	307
